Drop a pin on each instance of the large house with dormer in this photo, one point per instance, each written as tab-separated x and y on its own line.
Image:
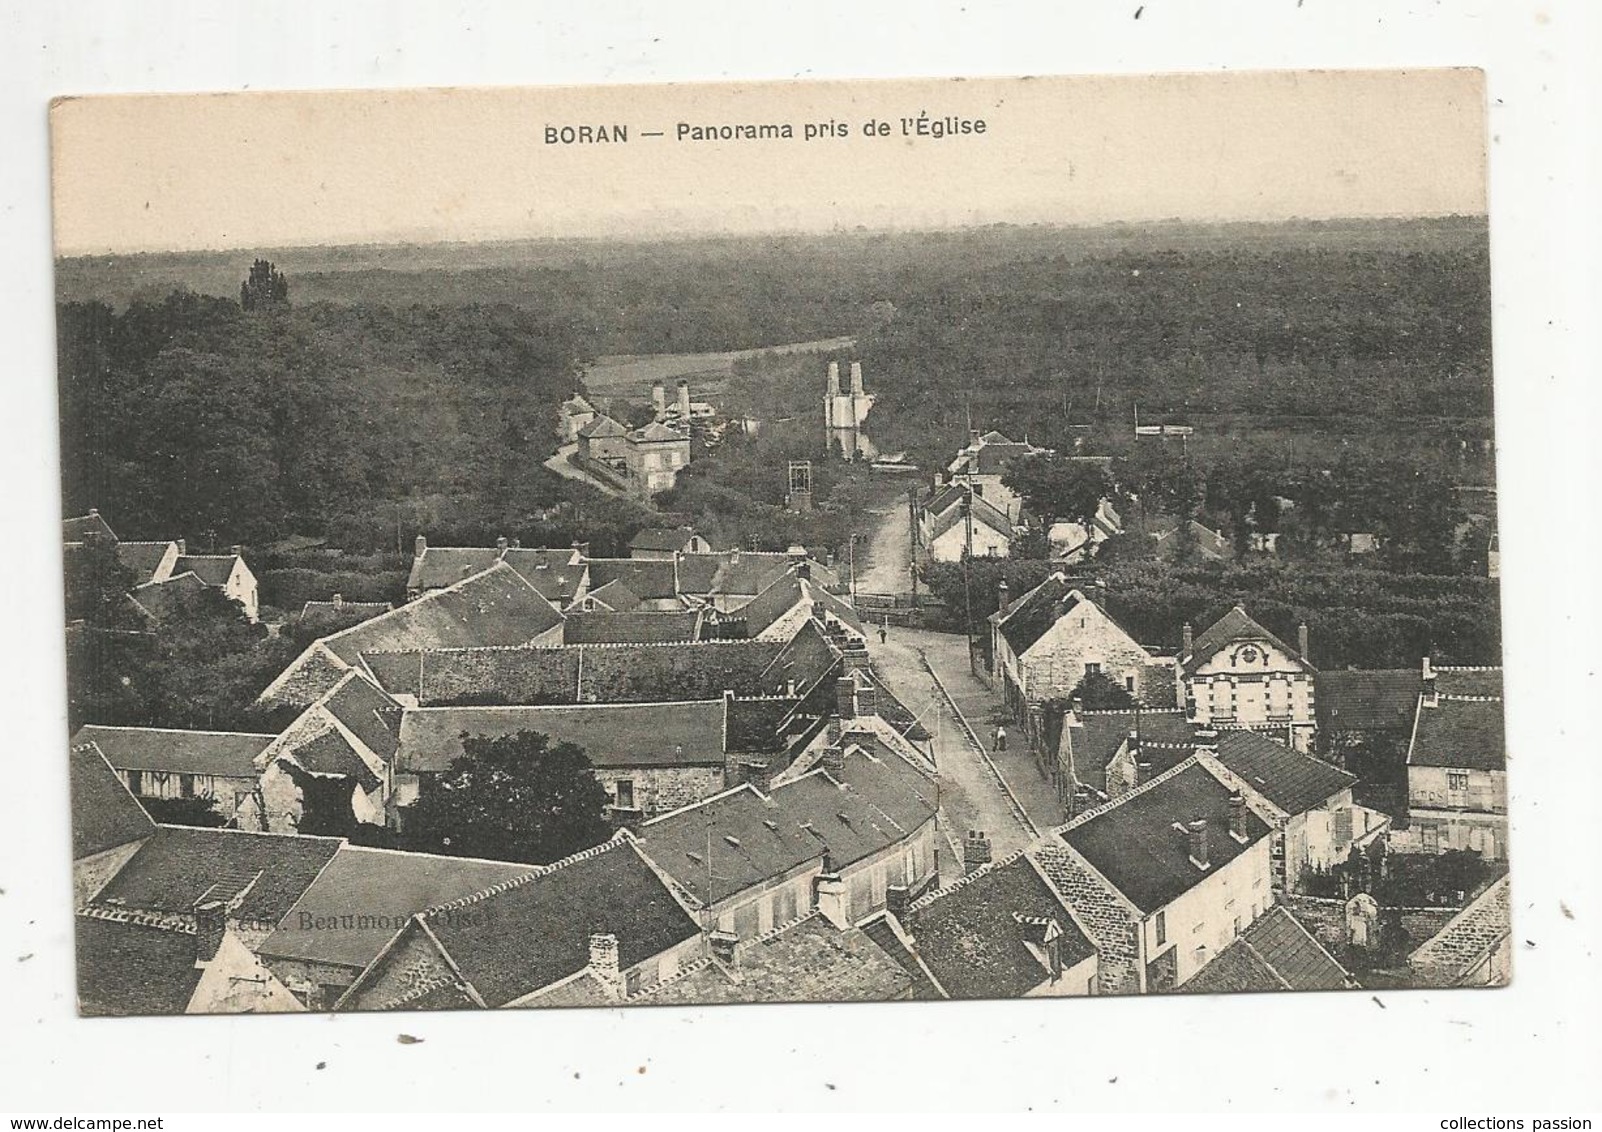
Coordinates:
164	572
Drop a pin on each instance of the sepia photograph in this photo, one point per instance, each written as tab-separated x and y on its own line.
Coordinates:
790	542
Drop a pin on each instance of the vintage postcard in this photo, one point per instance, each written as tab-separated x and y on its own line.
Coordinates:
784	542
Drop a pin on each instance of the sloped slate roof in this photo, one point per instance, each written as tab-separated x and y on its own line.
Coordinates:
369	714
972	935
104	814
1028	618
496	607
1294	782
727	844
612	735
329	752
602	426
229	754
1167	739
1273	954
1236	625
1459	733
555	571
652	579
616	597
884	935
77	528
142	557
161	599
1371	700
606	890
1134	845
661	538
984	514
441	566
213	569
637	627
364	896
128	968
179	865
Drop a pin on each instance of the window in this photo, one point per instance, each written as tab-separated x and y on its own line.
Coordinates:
1237	925
1457	780
631	981
186	786
1162	928
136	782
625	794
1129	684
1092	668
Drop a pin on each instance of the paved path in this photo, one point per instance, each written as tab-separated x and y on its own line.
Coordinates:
971	797
882	563
562	466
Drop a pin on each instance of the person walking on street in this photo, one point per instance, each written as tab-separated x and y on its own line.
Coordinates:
883	633
1001	738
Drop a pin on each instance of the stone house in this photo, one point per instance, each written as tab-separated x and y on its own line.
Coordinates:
983	462
1164	878
1054	636
164	570
653	457
650	757
604	442
594	929
357	904
1457	765
156	762
1307	801
948	535
1001	931
1274	954
1238	674
661	542
575	415
1103	755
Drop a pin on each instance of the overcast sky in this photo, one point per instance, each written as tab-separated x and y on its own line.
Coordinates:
270	170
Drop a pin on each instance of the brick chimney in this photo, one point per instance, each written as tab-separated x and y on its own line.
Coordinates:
723	945
1187	639
845	697
211	924
604	963
1077	705
1197	831
803	570
867	700
895	900
1237	816
339	601
420	547
94	512
182	545
831	897
1080	801
1301	641
501	544
976	851
1001	596
1142	773
833	761
236	550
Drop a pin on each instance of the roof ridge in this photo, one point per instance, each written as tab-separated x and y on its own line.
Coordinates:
567	707
728	793
519	881
1097	811
1463	698
354	848
965	879
144	919
779	929
177	730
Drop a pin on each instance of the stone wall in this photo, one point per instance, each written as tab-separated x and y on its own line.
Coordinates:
659	790
1112	925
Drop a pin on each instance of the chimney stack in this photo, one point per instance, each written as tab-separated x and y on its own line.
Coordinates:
182	545
236	550
211	924
604	963
658	397
1080	801
1187	638
895	900
420	547
803	570
1142	773
1198	843
1001	595
501	544
976	851
1237	816
94	512
1301	641
833	761
684	402
1428	671
856	379
834	378
1207	740
845	697
867	700
723	945
339	601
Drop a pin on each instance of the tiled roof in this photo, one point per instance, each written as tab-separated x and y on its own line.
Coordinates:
615	596
229	754
496	607
179	865
1292	781
807	960
1028	618
984	514
727	844
162	599
652	579
1236	625
130	968
364	896
556	572
578	404
610	890
76	529
142	557
1461	733
975	936
637	627
104	814
1469	681
1166	738
882	930
857	818
369	714
213	569
655	433
501	675
330	753
804	659
1133	843
1275	953
441	566
1371	700
662	538
1465	941
612	735
789	591
602	426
